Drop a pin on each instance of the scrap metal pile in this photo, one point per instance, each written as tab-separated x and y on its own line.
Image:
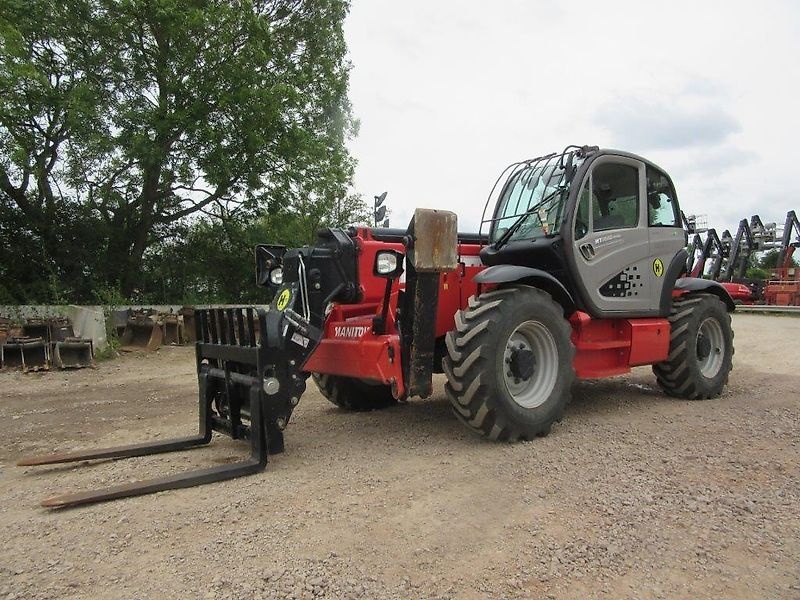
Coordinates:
42	343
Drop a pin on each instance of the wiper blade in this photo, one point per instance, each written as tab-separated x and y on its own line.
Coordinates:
503	239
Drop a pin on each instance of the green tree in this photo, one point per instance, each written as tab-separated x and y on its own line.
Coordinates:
764	263
212	260
132	116
769	260
44	101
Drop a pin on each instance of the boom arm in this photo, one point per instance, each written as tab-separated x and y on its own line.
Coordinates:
741	248
712	243
787	245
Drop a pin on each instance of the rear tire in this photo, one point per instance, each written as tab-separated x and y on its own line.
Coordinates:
353	394
509	363
700	349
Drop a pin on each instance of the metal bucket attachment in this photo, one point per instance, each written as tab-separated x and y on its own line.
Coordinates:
189	326
73	353
36	328
173	330
29	354
120	320
60	329
8	329
143	332
52	329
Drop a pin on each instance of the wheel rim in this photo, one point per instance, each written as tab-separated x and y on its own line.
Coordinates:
710	347
530	364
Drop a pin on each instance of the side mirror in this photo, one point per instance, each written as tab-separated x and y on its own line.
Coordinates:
269	272
388	264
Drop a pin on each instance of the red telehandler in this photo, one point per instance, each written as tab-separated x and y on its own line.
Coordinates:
578	274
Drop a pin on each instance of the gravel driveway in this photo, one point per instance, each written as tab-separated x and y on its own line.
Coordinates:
633	495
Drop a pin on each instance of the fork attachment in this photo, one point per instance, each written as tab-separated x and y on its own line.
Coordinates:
249	384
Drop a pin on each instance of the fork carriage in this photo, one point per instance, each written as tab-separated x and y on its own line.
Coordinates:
239	396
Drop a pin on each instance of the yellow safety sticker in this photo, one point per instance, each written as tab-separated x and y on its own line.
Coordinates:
283	300
658	267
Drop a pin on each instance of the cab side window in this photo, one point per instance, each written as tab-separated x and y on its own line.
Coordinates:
615	197
662	208
582	216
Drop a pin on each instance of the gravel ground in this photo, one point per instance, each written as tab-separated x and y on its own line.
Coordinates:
633	495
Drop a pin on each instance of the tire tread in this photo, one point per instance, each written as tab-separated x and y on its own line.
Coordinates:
469	363
675	376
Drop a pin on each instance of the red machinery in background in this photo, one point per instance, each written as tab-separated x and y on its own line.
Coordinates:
726	258
783	288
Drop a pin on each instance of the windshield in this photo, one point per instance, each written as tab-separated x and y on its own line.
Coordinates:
534	195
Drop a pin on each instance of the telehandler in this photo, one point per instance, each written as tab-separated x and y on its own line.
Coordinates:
577	272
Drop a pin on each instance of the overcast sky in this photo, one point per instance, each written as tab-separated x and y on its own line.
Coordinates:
448	93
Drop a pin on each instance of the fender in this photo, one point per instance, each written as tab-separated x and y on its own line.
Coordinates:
695	284
500	274
677	267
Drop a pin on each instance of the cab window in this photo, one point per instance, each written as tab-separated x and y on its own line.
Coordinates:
582	216
662	207
615	197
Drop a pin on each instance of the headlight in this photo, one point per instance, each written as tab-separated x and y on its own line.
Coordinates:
385	263
388	264
276	276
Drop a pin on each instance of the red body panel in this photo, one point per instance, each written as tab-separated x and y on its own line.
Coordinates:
605	347
783	289
739	292
456	288
783	293
372	287
350	348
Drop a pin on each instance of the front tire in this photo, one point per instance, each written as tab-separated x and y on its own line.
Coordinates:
353	394
509	363
700	348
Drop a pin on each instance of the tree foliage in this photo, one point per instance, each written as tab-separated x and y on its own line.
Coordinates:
134	133
769	260
765	262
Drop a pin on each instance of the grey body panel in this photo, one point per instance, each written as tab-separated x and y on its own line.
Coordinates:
668	245
695	284
528	275
509	273
621	261
674	271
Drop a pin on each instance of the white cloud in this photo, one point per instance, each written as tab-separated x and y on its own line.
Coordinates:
653	123
449	93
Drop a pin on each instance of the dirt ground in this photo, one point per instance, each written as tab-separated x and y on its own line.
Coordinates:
633	495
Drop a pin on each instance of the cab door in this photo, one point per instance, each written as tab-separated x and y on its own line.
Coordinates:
667	237
611	239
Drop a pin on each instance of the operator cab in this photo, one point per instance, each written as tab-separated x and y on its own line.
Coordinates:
606	224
